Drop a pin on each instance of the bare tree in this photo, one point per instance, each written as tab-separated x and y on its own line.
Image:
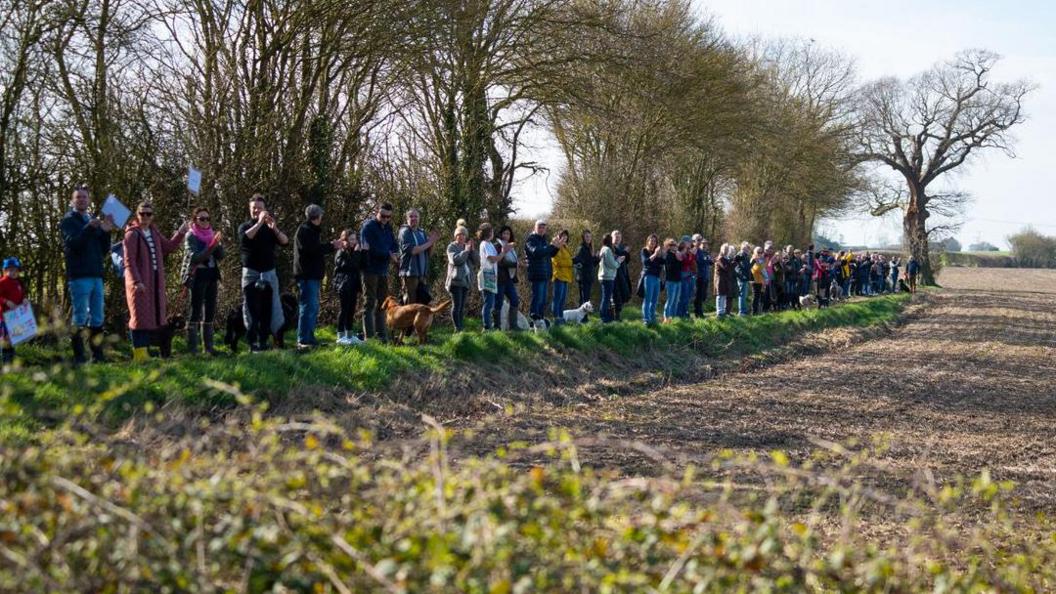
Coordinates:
931	124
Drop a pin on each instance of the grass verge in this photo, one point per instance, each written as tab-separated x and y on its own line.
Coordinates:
39	395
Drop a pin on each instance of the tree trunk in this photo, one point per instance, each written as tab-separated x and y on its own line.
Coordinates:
914	225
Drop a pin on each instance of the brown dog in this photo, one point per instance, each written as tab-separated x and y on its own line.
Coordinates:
401	317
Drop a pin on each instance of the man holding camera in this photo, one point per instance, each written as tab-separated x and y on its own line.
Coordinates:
257	240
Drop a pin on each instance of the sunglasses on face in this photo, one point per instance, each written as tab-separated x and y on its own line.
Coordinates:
203	219
385	217
146	214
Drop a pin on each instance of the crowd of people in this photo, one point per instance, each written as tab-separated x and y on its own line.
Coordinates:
745	279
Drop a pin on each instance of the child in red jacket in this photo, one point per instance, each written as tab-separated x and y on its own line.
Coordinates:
11	296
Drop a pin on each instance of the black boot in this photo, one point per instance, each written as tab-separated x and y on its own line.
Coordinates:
77	341
192	338
207	338
511	320
7	355
97	343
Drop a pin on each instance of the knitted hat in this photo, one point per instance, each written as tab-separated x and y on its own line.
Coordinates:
12	262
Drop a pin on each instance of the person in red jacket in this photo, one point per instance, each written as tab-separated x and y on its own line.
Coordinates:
12	294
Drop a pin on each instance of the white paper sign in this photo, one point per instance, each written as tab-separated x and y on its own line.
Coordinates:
194	180
113	207
21	325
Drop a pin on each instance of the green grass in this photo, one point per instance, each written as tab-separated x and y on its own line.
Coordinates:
39	394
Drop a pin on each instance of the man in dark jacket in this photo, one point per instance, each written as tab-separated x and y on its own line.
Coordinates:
704	265
742	269
309	263
378	240
261	306
85	243
539	251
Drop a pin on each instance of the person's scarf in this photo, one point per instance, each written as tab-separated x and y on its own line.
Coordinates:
205	235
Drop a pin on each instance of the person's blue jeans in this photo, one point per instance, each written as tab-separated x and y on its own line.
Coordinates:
507	291
538	306
674	292
607	288
742	298
804	285
560	294
307	310
652	296
721	306
87	297
894	281
685	294
485	312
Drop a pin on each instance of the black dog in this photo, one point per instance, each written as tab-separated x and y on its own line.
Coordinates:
162	337
236	326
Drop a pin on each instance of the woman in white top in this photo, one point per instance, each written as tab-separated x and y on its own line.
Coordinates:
487	277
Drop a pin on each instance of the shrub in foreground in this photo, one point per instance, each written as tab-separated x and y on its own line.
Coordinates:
304	507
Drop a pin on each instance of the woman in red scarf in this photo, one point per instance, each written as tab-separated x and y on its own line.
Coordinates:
145	251
200	273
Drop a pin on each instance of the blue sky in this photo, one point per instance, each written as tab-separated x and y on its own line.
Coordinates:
900	38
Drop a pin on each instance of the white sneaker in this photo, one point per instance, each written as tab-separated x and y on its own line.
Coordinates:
354	340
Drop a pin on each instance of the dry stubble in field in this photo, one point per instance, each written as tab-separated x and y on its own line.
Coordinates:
965	384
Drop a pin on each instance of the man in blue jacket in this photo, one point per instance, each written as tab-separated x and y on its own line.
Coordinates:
378	240
85	243
539	251
704	265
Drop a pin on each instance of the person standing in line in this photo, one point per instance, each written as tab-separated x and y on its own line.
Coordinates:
704	266
261	308
378	240
912	270
415	249
487	276
652	257
673	275
540	251
562	277
586	263
459	255
348	281
309	266
758	281
689	275
608	264
200	273
621	286
743	270
723	277
896	263
12	295
507	270
145	251
85	244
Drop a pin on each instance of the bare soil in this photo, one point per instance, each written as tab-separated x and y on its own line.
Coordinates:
964	383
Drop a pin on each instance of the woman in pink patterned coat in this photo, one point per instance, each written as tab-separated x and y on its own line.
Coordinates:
145	250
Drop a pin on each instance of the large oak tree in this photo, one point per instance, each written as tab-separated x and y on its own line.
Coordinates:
931	124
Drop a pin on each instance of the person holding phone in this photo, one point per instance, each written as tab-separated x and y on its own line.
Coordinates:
85	244
258	238
145	251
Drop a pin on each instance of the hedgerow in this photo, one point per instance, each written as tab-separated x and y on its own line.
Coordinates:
273	506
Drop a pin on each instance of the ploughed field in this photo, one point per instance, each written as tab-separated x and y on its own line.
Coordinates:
966	382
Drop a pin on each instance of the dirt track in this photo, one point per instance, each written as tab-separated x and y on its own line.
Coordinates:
965	383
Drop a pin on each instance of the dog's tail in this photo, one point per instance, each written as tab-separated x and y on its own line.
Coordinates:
441	307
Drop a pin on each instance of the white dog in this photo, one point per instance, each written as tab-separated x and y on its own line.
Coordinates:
806	301
578	315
